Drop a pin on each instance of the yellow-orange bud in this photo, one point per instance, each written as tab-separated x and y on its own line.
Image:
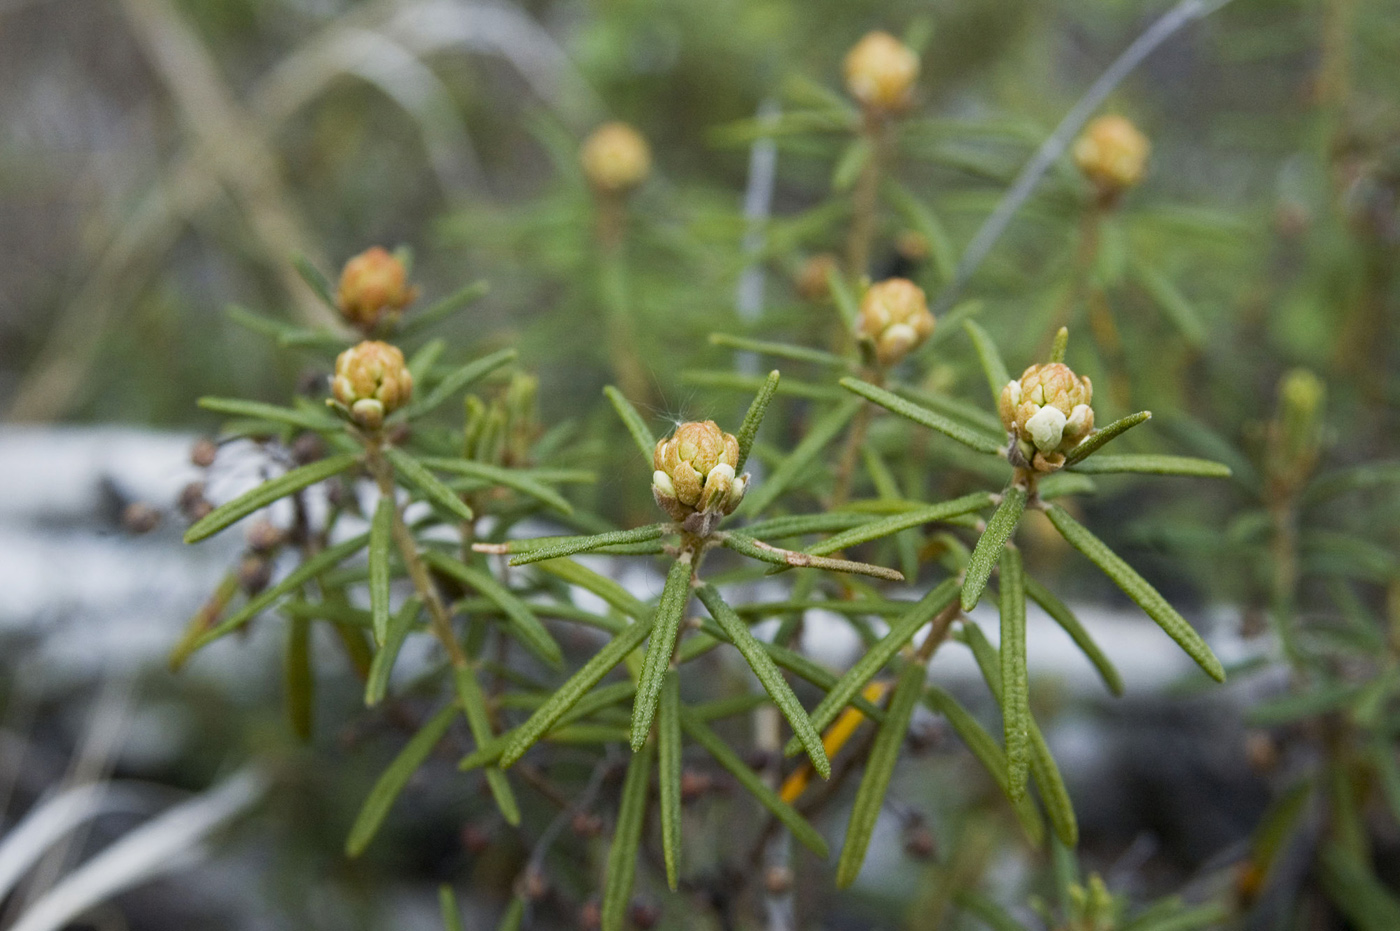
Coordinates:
372	381
1048	411
695	471
374	284
880	72
615	158
894	315
1112	153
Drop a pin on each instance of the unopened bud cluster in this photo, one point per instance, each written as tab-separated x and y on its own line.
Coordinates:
880	73
1047	411
374	289
1112	153
894	315
615	158
695	471
371	382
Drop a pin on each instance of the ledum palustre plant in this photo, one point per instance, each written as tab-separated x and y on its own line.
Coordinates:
432	484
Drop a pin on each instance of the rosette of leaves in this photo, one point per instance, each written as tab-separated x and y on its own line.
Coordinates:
658	721
371	573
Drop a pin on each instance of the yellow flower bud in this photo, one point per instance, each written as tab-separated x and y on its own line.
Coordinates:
1112	154
373	285
615	158
371	381
1048	411
880	72
695	471
894	315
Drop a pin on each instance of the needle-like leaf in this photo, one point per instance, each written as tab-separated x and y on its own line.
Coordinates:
668	742
518	479
268	492
522	620
1015	691
431	487
662	646
773	682
870	797
473	702
305	420
449	387
1153	465
822	432
1138	589
381	797
991	543
529	551
377	682
627	838
381	534
636	426
922	415
748	429
1063	616
1096	440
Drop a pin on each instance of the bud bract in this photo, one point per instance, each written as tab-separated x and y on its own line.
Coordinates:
1048	412
1112	154
371	381
880	72
695	471
894	315
615	158
374	286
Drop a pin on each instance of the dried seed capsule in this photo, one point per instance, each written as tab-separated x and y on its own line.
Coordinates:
371	381
374	287
204	452
880	72
139	517
192	502
894	315
695	471
1048	411
615	158
1112	154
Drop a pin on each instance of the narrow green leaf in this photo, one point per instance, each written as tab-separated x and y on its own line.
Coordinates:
986	911
420	364
473	703
923	416
1136	588
822	432
381	534
754	418
377	683
316	281
851	163
256	322
602	586
305	420
641	433
517	479
554	548
391	783
1096	440
461	378
842	297
1060	345
299	678
568	694
773	682
627	838
879	768
441	309
781	350
665	626
805	834
1153	465
447	904
756	549
977	418
1015	679
990	357
1172	302
796	525
725	380
309	569
427	483
1356	478
594	702
268	492
890	525
924	221
1206	917
523	622
1062	615
902	630
990	755
668	742
991	544
1354	889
